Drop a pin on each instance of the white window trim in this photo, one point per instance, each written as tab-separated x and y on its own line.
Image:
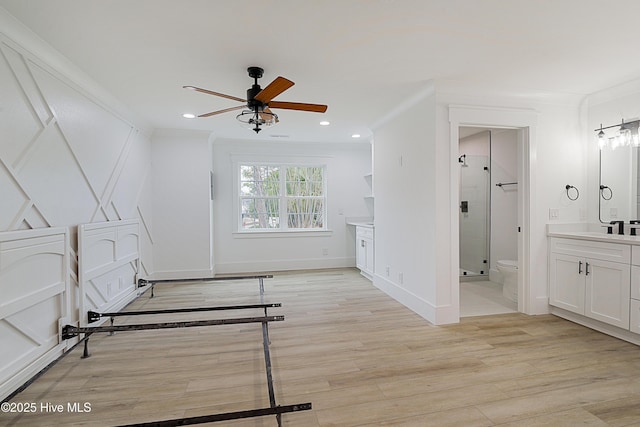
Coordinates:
282	231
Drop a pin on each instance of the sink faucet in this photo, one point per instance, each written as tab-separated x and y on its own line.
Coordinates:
620	226
632	228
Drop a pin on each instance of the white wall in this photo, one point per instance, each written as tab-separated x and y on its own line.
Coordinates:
557	155
347	164
67	155
425	249
406	242
504	200
182	203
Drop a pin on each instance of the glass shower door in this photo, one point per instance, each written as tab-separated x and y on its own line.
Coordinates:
474	216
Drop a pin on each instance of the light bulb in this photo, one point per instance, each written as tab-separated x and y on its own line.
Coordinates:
602	139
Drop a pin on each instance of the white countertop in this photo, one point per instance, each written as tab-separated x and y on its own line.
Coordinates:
597	236
361	224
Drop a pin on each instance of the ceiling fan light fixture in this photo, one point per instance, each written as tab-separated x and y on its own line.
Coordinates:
260	101
254	119
189	116
325	123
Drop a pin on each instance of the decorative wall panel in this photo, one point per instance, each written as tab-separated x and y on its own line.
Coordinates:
65	158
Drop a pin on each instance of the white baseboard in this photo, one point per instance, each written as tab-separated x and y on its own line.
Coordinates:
284	265
179	274
495	276
605	328
406	298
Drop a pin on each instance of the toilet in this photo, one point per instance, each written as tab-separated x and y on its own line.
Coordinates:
509	271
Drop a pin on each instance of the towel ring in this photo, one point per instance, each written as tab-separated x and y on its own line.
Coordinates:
569	187
602	192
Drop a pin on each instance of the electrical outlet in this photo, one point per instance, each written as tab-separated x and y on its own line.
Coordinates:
325	251
388	270
613	213
401	278
554	213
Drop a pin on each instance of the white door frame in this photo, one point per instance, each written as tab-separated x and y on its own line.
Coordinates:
526	122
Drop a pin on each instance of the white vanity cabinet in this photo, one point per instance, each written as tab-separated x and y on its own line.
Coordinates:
634	325
364	250
593	279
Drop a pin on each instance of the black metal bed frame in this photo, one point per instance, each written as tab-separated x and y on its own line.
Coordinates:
153	282
70	331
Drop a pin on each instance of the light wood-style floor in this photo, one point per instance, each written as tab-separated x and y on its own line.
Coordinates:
361	358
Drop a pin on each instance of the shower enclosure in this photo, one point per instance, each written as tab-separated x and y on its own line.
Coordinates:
474	215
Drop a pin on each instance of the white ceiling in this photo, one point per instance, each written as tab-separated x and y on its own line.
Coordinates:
360	57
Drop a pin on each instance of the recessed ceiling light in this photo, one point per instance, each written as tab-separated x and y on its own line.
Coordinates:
189	116
324	123
355	135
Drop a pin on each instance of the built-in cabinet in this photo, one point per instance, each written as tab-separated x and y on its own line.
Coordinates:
593	279
634	316
365	250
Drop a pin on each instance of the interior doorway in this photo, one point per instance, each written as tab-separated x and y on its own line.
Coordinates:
524	124
488	220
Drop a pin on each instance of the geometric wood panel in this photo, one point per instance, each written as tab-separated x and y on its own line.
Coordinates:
66	158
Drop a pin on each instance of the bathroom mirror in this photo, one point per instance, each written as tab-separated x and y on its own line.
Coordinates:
618	192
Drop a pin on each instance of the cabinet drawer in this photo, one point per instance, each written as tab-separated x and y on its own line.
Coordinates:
635	255
364	233
598	250
634	326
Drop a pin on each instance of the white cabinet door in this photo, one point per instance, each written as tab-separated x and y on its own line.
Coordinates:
567	282
608	287
361	253
634	316
369	246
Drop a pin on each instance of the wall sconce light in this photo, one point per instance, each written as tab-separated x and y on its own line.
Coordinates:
626	135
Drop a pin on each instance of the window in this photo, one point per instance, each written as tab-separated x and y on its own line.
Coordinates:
282	197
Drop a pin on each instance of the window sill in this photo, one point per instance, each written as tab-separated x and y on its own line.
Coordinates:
280	234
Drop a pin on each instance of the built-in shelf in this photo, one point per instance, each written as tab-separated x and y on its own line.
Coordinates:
369	198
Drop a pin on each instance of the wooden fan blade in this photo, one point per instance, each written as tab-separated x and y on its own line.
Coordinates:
210	92
314	108
273	89
213	113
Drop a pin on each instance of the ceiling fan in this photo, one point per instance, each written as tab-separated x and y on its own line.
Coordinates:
259	101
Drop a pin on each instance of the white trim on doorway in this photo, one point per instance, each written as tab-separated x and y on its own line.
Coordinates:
525	120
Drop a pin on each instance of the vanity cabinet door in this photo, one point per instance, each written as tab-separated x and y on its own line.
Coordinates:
567	282
634	316
608	287
364	250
